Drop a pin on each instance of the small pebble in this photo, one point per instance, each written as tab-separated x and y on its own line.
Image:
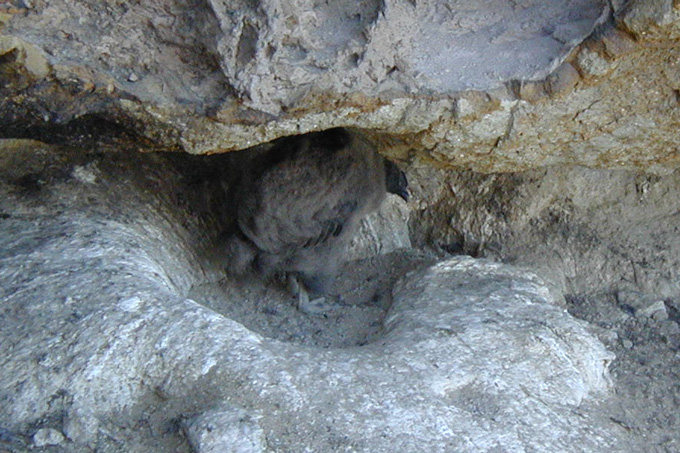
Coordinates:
592	63
669	329
47	436
660	315
657	311
627	344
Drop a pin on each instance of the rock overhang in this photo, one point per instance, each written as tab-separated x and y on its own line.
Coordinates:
493	87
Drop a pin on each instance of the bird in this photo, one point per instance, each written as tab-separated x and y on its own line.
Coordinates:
301	201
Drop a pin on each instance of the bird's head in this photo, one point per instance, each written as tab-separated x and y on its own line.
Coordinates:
395	180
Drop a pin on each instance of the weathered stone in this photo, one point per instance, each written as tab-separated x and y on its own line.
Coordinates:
47	436
100	253
656	311
593	64
274	52
225	429
473	104
27	55
474	355
195	77
382	232
645	18
593	231
81	426
563	80
363	77
670	330
532	91
642	305
617	43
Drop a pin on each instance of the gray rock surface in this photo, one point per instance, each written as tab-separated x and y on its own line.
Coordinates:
119	333
382	232
98	253
593	231
47	436
608	242
225	429
276	52
492	86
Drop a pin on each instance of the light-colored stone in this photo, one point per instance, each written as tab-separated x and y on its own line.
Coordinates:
45	437
643	305
99	253
657	311
31	57
593	231
593	64
645	18
275	53
490	86
225	429
386	67
474	353
383	231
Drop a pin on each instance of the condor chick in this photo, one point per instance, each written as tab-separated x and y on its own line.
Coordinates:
301	202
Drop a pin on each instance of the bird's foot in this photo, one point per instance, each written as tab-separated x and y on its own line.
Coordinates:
314	307
294	286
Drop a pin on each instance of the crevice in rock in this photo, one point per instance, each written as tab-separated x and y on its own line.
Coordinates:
179	209
91	130
362	289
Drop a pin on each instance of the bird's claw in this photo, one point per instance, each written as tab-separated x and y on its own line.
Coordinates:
314	307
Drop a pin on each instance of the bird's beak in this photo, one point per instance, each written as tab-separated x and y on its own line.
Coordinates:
404	194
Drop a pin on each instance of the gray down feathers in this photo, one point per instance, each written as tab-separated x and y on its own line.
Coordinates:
301	202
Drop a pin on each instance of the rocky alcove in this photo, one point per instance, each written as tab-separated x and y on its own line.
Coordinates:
526	298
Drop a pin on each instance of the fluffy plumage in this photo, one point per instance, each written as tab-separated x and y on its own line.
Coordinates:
301	201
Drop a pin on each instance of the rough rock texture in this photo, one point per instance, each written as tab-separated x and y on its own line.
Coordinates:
578	82
275	52
608	243
101	344
225	429
593	231
119	333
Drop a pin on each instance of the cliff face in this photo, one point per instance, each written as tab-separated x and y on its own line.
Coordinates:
540	135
